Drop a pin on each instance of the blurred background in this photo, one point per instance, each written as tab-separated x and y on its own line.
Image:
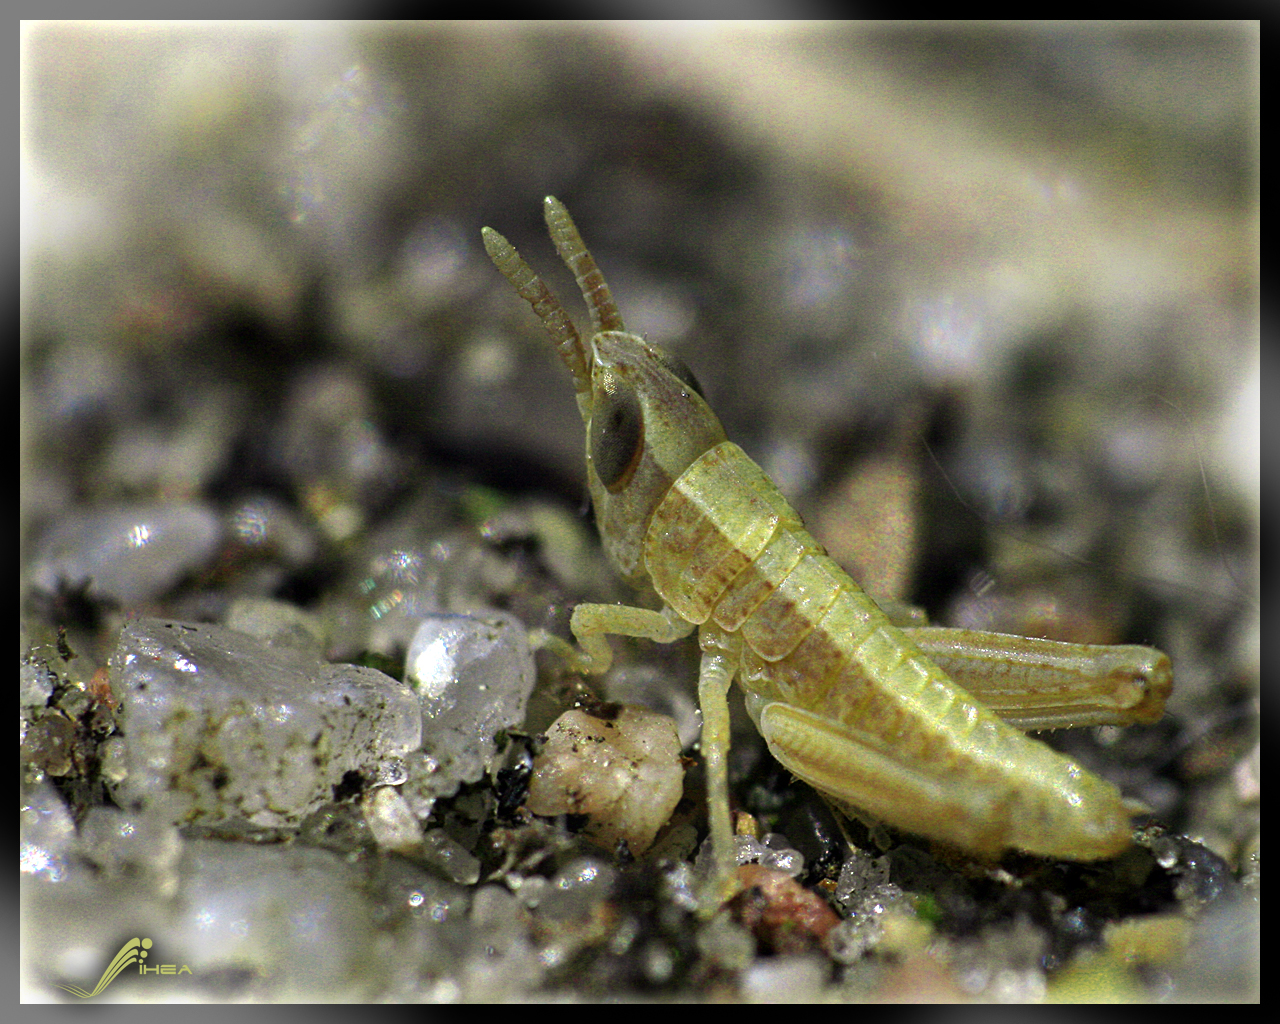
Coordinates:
981	299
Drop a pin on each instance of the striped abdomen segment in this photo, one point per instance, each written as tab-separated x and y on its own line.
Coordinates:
725	548
721	518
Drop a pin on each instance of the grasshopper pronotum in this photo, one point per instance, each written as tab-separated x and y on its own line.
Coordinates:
918	728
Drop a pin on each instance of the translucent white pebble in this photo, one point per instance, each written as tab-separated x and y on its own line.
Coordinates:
576	888
472	675
47	833
623	772
219	726
127	553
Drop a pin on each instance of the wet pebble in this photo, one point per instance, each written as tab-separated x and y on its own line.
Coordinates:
219	726
472	676
126	553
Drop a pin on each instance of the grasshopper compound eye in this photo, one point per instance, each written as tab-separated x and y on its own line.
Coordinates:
617	436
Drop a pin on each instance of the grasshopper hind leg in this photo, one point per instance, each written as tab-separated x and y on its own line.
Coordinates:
972	809
866	782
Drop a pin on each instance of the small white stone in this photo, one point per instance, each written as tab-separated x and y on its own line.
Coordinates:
623	772
785	979
128	553
472	676
219	726
392	822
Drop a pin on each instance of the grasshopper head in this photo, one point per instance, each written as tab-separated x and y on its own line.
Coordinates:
646	419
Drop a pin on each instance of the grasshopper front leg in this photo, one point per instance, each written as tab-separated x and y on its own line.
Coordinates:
591	623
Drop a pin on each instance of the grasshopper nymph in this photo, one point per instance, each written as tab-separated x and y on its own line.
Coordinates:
918	728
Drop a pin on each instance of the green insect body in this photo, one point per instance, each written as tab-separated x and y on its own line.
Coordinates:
845	699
